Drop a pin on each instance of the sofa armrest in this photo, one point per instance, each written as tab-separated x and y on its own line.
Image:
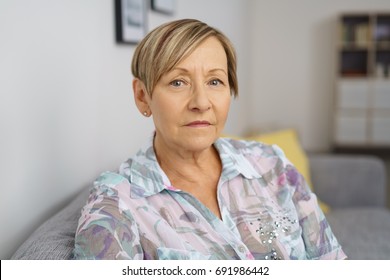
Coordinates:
348	180
54	239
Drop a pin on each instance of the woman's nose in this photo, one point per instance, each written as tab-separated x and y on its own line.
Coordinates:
199	99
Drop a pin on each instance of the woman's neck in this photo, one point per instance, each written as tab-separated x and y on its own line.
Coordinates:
188	165
197	172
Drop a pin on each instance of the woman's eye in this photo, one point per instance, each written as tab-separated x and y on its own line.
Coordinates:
177	83
215	82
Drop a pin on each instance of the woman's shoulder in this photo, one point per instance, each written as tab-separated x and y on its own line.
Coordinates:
109	178
109	183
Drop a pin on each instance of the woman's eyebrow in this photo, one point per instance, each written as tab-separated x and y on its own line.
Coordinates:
180	69
218	70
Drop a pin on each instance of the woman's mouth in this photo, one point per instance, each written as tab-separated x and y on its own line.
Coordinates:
198	124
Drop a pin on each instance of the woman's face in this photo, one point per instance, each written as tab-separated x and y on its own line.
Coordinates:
190	104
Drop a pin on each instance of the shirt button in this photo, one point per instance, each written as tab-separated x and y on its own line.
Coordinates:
241	249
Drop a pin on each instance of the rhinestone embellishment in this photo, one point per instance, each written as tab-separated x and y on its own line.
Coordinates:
269	229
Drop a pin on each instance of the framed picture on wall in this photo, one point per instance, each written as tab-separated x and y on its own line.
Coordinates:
164	6
130	21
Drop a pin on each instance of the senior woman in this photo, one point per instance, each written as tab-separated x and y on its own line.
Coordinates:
189	194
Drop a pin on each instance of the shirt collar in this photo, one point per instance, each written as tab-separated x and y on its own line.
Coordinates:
234	161
147	178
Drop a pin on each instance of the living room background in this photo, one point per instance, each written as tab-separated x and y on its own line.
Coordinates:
66	105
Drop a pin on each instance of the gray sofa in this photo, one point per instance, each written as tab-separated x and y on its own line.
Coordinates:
354	187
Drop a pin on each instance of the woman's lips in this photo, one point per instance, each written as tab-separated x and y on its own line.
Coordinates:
198	124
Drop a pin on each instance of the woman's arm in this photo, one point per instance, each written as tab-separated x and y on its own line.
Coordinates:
106	229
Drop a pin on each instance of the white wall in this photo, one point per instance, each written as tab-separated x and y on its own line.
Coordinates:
293	65
66	105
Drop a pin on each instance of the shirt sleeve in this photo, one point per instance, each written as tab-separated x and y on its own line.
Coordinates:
320	242
106	230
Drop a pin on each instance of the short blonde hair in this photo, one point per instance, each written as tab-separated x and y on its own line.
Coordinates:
165	46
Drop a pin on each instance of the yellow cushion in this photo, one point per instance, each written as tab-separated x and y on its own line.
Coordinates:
288	141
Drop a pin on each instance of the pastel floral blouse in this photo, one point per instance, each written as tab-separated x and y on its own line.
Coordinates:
268	212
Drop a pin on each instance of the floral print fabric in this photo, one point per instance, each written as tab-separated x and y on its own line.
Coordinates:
268	212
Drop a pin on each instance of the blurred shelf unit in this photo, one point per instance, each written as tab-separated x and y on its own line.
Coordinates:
362	99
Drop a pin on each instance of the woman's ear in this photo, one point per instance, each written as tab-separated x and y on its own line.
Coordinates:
141	97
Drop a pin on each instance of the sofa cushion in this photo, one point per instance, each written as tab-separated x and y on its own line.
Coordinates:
346	180
364	233
54	239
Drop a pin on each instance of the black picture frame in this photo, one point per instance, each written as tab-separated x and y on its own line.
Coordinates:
164	6
130	21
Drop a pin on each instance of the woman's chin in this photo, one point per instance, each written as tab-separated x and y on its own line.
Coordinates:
199	143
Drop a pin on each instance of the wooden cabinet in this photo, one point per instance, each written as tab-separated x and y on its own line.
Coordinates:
362	99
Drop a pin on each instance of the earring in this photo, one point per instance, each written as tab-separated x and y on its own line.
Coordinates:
145	114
